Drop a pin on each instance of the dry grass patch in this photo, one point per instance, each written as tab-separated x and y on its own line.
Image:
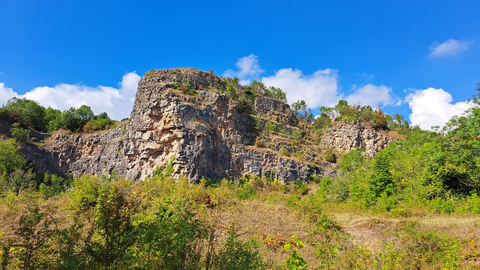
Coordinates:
272	225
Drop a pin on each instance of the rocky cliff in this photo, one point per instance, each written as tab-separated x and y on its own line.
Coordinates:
343	137
182	116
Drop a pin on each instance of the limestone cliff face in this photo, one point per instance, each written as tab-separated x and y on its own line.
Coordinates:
343	137
204	134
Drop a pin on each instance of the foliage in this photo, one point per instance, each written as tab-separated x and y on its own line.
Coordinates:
331	242
330	156
52	119
34	245
186	89
21	135
284	151
14	172
294	260
29	113
419	249
236	254
299	108
114	228
345	112
271	127
54	185
26	112
379	119
381	180
321	122
272	92
352	160
10	158
99	122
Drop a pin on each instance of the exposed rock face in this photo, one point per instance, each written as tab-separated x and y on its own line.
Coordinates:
343	137
203	134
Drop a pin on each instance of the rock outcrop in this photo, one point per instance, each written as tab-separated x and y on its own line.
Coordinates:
202	134
343	137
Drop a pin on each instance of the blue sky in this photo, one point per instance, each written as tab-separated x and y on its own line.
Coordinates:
418	58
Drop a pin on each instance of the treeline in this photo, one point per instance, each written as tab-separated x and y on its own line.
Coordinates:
28	113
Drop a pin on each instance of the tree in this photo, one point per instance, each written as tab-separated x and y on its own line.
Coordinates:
10	157
379	118
52	119
14	173
381	179
70	120
299	108
25	112
85	113
459	166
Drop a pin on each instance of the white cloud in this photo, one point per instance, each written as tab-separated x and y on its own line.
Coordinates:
248	68
318	89
450	47
433	107
117	103
6	93
372	95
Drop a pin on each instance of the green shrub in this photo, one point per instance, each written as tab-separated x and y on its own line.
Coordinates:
284	151
419	249
245	192
236	254
271	127
352	160
298	134
14	173
19	134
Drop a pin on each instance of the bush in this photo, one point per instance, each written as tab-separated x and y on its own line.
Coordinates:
271	127
14	172
19	134
352	160
419	249
236	254
101	122
330	156
298	134
284	151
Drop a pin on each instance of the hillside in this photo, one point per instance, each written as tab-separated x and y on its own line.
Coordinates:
188	116
234	178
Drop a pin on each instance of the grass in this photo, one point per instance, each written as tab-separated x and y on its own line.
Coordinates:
351	238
